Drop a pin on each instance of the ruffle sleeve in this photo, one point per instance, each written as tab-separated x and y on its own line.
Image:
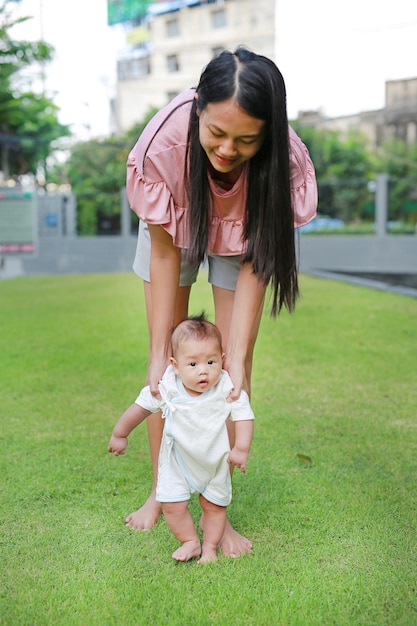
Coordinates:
304	194
152	199
149	200
155	166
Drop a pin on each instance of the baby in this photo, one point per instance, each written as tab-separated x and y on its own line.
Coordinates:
195	451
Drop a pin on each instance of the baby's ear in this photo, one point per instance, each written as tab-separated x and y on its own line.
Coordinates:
223	355
174	364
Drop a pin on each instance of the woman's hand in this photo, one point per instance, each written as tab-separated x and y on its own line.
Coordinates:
237	373
156	369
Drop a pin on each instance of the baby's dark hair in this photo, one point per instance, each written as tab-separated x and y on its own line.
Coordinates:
195	327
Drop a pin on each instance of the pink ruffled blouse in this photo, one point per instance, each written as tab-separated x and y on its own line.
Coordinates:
156	191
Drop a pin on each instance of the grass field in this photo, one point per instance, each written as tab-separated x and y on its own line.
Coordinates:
334	540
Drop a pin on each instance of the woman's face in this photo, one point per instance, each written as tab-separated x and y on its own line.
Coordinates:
229	136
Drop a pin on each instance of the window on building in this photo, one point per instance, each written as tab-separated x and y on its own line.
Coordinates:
218	18
133	68
173	63
172	28
216	51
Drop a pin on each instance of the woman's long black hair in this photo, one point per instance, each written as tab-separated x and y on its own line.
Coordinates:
258	87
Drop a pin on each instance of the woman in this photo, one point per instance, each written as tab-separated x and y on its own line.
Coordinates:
219	175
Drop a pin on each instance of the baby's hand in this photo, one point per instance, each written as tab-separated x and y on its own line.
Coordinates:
117	445
238	458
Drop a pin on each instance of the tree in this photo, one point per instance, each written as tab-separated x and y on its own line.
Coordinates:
28	121
343	167
96	170
399	161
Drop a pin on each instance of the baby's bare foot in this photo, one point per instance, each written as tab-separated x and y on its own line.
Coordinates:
208	555
188	550
146	517
233	544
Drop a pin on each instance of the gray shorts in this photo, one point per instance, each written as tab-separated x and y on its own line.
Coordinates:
222	270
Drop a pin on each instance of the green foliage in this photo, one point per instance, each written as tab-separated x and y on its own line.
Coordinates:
96	170
345	166
399	161
28	121
328	500
36	126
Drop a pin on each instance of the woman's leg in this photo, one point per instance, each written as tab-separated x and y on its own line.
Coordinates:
181	524
146	517
214	525
232	543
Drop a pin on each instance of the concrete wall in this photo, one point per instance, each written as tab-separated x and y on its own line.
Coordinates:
60	251
317	253
74	255
344	253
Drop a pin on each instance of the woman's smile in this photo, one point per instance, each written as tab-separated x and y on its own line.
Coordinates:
223	160
229	135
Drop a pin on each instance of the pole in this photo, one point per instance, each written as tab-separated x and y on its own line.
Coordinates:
381	205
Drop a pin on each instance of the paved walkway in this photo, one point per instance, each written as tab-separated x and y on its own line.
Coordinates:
404	284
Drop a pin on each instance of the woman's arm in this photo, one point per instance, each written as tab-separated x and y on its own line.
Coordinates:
244	325
164	280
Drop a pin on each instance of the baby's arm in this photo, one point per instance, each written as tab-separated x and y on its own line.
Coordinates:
132	417
240	451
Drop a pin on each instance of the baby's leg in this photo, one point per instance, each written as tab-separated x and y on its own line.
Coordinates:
214	525
182	527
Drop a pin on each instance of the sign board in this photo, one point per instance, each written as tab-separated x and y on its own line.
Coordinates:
18	223
119	11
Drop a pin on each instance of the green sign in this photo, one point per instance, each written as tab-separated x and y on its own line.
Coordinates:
18	225
119	11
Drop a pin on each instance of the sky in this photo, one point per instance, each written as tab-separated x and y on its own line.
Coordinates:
82	76
334	56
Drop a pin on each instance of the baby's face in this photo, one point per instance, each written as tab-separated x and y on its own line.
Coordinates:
199	364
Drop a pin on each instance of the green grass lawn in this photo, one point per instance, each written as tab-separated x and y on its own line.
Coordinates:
334	541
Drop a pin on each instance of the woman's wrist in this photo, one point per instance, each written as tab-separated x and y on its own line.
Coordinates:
234	354
160	351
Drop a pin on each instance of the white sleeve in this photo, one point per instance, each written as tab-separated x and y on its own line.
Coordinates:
147	401
241	409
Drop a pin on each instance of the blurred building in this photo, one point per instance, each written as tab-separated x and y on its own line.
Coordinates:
169	43
169	46
398	119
